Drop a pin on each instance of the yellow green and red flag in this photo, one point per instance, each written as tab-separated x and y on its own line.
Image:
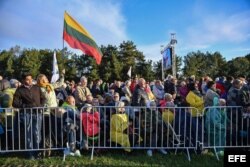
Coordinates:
78	37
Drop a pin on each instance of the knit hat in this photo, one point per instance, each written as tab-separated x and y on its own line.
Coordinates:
88	107
5	84
13	83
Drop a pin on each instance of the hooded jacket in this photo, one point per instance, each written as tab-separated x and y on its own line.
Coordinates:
215	124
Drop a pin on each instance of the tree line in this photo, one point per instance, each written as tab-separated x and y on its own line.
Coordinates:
115	63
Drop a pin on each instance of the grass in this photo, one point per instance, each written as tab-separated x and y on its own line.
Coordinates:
116	158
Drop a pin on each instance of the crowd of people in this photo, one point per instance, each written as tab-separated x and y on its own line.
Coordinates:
137	92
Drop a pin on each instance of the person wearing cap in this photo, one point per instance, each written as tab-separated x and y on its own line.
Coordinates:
6	96
14	83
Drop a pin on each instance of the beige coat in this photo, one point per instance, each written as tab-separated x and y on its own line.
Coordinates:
81	93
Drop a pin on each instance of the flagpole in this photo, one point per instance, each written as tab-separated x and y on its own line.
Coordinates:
63	49
63	39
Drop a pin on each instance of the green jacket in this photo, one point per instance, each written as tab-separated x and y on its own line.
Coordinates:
6	97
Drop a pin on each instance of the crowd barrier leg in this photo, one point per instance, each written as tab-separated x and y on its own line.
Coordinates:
92	153
188	155
216	154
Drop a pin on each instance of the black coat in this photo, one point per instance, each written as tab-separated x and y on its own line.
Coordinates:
170	87
140	97
28	97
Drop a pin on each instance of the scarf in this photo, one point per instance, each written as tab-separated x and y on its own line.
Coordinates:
47	86
66	105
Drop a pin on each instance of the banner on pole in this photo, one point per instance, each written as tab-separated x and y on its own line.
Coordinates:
55	72
167	58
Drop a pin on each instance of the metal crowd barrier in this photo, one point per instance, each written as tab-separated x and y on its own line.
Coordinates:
128	128
20	128
144	128
225	127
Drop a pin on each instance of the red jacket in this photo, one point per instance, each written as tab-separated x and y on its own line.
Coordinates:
91	123
132	86
221	87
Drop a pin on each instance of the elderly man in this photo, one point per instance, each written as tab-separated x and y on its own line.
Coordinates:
82	91
140	96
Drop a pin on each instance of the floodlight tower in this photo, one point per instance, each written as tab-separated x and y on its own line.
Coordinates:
171	45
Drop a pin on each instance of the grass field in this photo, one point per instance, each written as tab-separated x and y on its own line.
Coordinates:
116	158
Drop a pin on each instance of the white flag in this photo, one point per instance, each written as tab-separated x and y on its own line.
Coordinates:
129	72
55	72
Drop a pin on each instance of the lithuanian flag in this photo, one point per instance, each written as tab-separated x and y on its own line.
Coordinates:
78	37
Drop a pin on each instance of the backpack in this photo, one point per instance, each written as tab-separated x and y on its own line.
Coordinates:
6	100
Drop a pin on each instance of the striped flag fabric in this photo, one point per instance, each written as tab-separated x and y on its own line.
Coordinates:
78	37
